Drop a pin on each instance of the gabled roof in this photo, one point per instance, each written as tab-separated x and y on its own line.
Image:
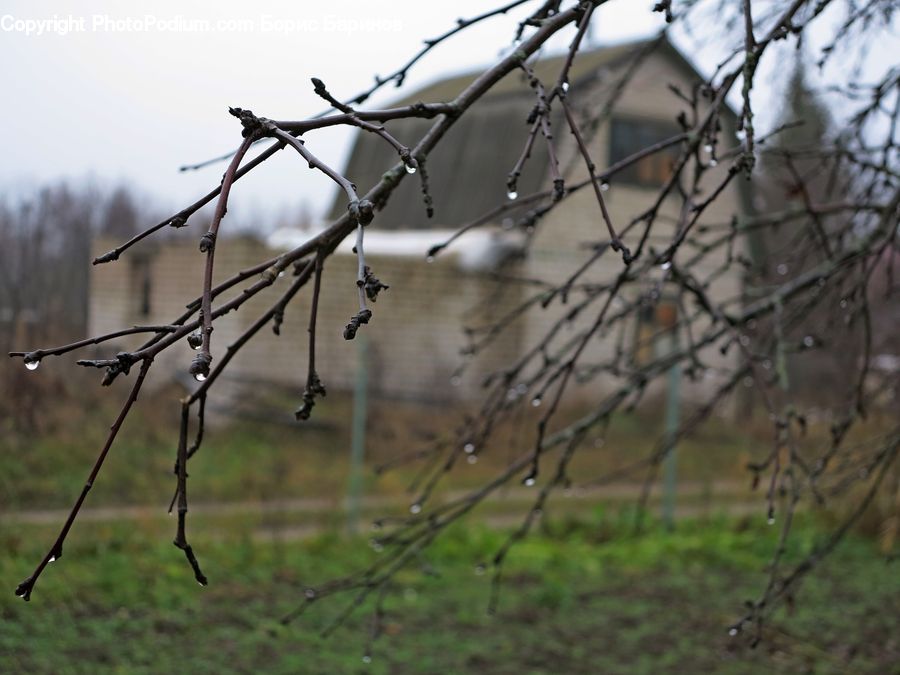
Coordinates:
547	70
467	171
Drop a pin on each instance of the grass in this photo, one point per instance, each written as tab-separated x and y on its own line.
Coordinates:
581	597
252	459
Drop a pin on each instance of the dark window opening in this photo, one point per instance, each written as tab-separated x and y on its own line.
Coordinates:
653	333
631	135
141	286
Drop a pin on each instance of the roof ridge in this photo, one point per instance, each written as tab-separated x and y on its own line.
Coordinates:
587	60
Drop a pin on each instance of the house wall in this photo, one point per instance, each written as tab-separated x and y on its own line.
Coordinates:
561	241
414	339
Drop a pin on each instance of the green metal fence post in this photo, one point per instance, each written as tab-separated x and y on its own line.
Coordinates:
673	407
358	443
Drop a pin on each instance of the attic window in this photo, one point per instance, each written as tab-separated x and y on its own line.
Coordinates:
629	135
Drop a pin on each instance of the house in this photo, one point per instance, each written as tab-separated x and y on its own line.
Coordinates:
415	338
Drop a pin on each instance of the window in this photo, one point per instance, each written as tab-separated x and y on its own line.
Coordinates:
631	135
141	285
653	334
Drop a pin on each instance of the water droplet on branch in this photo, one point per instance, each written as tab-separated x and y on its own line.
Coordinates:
512	194
410	169
200	377
32	364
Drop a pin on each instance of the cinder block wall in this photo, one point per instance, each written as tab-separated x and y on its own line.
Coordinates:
414	340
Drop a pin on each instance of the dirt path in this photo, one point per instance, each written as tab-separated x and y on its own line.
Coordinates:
693	499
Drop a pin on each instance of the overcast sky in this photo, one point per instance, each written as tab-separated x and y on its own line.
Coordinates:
130	94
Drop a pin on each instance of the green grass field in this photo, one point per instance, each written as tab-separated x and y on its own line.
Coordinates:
254	459
582	597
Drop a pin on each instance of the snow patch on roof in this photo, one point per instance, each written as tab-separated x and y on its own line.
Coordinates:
478	249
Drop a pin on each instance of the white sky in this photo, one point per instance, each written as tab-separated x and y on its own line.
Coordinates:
130	105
